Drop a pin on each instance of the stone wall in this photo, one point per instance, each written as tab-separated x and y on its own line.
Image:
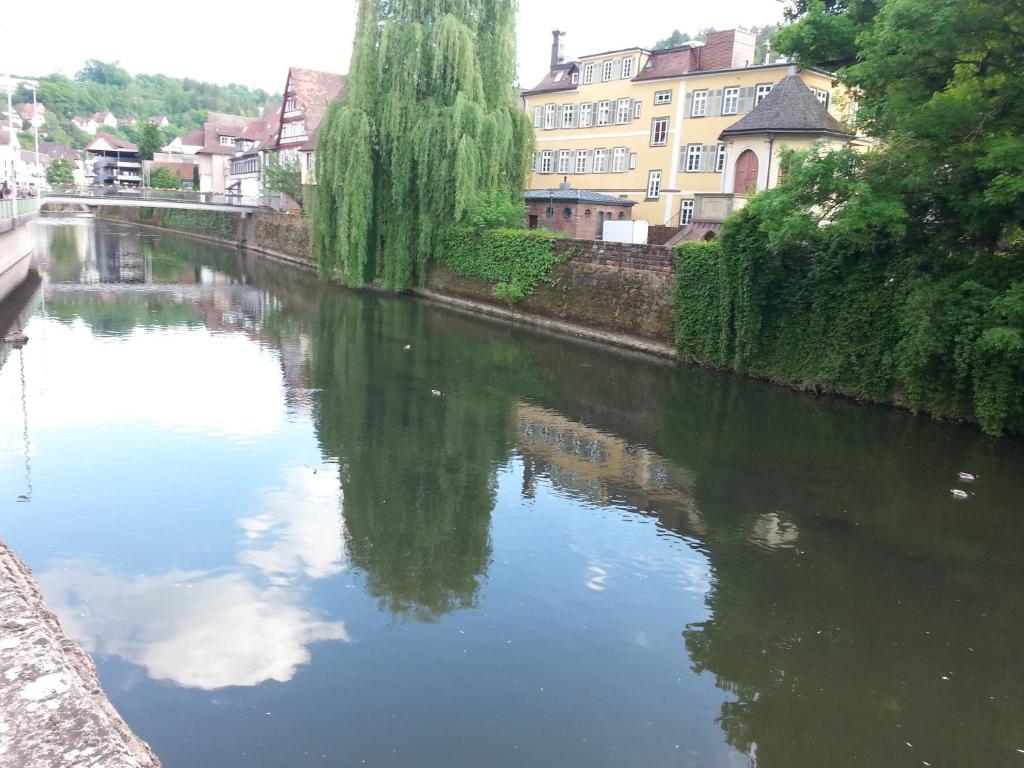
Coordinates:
281	234
622	289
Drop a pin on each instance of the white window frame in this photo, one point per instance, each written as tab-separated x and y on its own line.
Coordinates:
662	123
699	108
618	159
821	96
653	185
662	97
686	212
568	115
720	159
762	90
606	71
694	156
632	160
227	141
636	109
622	111
631	62
575	78
538	116
564	160
545	161
600	160
586	115
580	165
588	74
731	100
549	117
604	113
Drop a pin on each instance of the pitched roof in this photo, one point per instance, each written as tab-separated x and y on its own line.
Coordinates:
314	91
99	117
221	124
566	194
558	79
55	149
114	142
193	138
670	62
789	108
263	130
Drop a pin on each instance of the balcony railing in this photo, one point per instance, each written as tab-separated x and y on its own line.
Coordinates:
156	195
23	205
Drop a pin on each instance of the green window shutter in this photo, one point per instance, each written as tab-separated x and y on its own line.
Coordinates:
746	100
617	69
715	105
589	167
688	107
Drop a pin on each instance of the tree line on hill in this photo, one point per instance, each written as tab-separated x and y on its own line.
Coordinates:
106	86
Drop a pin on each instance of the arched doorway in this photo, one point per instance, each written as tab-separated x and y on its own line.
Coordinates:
746	173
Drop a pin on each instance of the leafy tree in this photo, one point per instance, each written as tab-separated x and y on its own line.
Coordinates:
164	178
195	177
60	171
676	38
431	120
151	141
825	31
104	73
285	177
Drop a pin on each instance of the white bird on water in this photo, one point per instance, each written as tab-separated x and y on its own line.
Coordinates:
966	477
437	393
957	493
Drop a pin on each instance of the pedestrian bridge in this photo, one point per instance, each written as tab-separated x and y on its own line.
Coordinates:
127	197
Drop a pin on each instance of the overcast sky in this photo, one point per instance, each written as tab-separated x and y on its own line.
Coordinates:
255	42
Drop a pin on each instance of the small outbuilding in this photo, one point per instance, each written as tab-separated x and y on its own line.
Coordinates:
575	212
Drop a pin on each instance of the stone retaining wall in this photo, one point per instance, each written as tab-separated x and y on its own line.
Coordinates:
52	710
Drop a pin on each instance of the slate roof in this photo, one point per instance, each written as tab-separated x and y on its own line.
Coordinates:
570	195
789	108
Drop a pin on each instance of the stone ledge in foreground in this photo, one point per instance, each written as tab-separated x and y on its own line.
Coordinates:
52	710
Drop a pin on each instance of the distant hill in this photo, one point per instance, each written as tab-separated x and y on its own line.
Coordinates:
105	86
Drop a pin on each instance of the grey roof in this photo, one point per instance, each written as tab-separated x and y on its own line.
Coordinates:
789	108
574	196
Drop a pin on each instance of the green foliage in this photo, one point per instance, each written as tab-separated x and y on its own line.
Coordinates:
493	210
285	177
516	261
821	283
164	178
431	121
60	171
675	39
101	86
151	141
211	223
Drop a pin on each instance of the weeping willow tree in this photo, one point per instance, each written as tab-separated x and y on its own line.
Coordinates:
431	120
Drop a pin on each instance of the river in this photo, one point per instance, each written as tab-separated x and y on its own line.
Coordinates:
297	526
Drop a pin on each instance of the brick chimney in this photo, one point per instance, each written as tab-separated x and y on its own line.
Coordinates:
728	49
557	48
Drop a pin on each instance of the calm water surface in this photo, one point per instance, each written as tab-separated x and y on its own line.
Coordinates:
240	495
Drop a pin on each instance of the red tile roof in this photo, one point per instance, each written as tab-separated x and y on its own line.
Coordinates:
314	91
552	81
114	142
671	62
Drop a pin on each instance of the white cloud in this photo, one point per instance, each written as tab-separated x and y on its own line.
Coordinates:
197	629
301	525
326	42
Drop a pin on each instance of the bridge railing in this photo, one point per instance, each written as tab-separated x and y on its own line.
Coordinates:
156	195
9	209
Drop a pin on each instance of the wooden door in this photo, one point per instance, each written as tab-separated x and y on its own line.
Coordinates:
746	173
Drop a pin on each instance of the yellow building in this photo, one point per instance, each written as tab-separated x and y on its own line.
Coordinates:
652	126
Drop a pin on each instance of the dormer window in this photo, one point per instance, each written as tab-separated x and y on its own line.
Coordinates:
227	141
575	78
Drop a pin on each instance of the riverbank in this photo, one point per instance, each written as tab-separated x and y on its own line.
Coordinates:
52	709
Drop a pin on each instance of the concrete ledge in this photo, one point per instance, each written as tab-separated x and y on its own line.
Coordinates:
635	343
52	710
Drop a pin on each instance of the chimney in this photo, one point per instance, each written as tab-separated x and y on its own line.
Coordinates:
727	49
767	52
557	48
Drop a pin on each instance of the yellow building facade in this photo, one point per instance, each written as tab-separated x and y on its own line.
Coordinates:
646	125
